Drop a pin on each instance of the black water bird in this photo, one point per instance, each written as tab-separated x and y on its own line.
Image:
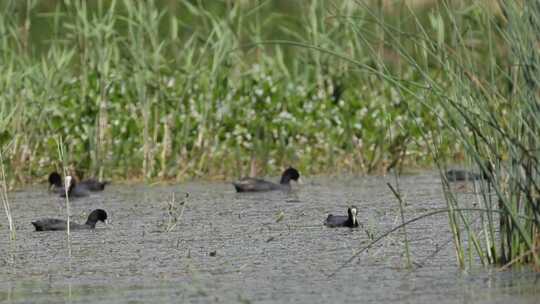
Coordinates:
348	220
51	224
76	189
249	184
455	175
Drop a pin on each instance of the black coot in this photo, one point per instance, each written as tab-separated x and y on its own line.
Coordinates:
349	220
461	175
249	184
76	189
50	224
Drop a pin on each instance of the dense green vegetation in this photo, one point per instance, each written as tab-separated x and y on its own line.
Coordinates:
489	99
221	88
187	88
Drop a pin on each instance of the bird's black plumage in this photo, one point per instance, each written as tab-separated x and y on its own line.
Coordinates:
52	224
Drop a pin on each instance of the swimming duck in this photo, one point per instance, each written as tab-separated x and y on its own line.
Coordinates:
79	189
51	224
461	175
349	220
249	184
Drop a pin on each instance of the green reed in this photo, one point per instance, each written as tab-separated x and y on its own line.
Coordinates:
477	70
145	89
5	198
67	183
474	67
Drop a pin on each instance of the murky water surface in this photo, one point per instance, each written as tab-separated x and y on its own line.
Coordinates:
250	248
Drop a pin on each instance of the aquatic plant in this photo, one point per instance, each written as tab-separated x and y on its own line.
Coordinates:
477	69
67	184
401	202
173	90
175	211
5	198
